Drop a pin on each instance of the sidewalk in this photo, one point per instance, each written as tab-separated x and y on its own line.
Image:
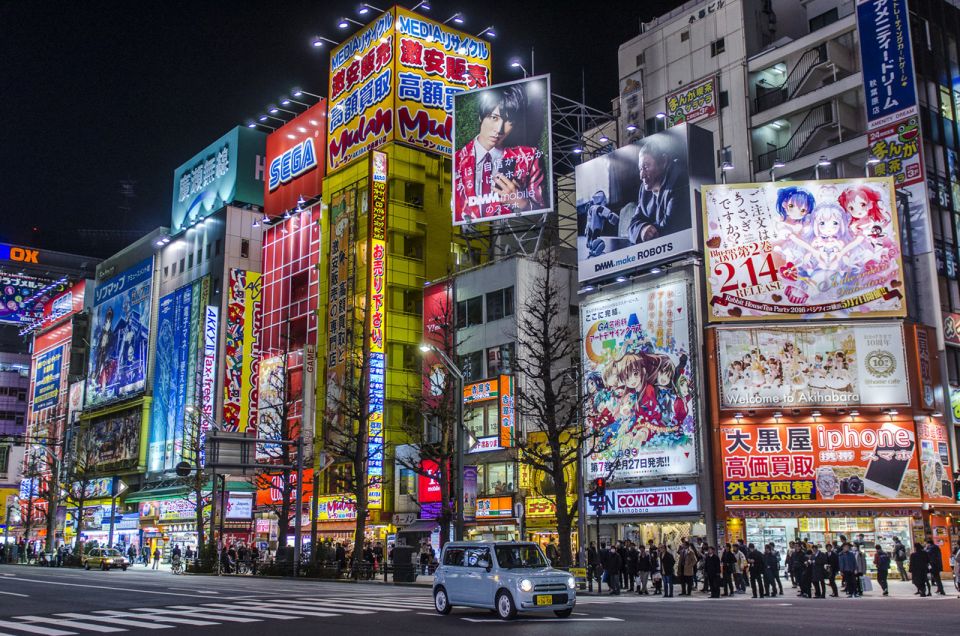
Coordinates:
898	589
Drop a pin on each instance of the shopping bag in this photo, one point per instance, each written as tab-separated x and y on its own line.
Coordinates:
867	584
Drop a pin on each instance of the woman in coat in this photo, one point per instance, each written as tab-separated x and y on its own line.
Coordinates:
686	568
919	565
667	561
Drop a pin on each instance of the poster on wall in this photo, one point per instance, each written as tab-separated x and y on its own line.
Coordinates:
242	351
639	382
806	366
48	370
75	405
339	308
112	441
830	462
811	249
692	103
502	166
935	470
120	335
272	387
634	205
22	297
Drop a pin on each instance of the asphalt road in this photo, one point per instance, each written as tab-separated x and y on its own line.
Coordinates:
52	602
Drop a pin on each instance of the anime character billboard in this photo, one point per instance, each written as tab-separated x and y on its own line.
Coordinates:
817	249
640	383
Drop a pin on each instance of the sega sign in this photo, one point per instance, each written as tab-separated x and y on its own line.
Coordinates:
292	163
641	501
294	170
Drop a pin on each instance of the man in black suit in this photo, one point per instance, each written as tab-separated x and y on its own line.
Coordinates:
613	567
819	560
833	563
757	567
711	571
936	565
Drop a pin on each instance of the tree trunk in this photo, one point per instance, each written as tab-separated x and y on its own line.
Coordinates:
563	526
81	504
360	530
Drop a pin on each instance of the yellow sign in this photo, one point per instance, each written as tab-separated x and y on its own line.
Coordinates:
395	80
539	507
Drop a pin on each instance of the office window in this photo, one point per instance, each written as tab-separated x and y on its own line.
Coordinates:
413	247
4	458
684	36
471	364
408	482
500	304
482	419
824	19
724	99
500	359
640	59
470	312
496	479
208	252
190	260
244	248
413	301
219	245
182	261
717	47
166	271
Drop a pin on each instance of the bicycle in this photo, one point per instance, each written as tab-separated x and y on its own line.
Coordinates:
176	566
243	567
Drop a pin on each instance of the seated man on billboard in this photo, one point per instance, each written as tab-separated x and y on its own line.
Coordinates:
492	178
659	172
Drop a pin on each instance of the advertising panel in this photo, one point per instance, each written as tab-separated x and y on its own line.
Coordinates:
634	206
470	474
811	249
806	366
75	405
428	488
640	381
336	508
121	329
395	79
494	507
272	393
438	331
951	329
694	102
830	462
295	164
935	468
47	376
228	170
22	297
208	376
377	327
339	308
170	380
643	501
242	351
507	413
112	441
239	506
66	304
272	495
503	166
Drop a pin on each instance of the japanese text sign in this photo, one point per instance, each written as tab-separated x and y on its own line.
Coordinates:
692	103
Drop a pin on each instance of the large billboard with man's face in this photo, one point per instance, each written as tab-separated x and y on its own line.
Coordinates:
803	249
634	205
639	372
502	163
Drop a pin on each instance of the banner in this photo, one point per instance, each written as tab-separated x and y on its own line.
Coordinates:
376	327
339	307
170	380
642	501
494	507
295	163
812	249
830	462
800	366
640	381
470	474
22	297
935	468
48	370
120	335
273	391
242	351
112	441
634	206
428	488
76	402
694	102
508	415
503	164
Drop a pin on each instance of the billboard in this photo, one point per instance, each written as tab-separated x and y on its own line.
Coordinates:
339	308
376	328
120	335
694	102
75	404
242	351
812	249
642	501
826	463
800	366
295	164
48	370
428	487
228	170
634	205
272	394
112	442
935	470
170	380
395	80
640	381
494	507
502	165
22	297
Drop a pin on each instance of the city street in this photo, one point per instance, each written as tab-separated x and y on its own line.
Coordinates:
62	602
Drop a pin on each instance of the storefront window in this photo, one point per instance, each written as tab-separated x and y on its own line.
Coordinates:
496	479
408	482
482	419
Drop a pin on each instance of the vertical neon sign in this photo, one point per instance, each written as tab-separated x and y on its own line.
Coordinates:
377	328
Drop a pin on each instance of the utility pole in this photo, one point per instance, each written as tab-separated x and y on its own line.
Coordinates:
297	531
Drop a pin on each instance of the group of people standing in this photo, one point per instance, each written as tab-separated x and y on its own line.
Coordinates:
740	566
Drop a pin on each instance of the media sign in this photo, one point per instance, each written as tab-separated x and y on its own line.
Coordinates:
227	171
295	160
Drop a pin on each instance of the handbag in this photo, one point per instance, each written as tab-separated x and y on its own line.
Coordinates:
866	584
656	577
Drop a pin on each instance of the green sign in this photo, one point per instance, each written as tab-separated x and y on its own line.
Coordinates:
230	170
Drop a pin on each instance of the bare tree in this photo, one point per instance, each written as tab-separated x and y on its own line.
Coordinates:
549	401
198	496
77	484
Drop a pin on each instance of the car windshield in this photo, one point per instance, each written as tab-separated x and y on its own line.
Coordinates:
512	557
112	553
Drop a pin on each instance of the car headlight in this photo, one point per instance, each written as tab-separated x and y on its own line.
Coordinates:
526	585
572	583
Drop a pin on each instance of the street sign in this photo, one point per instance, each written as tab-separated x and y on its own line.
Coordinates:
183	469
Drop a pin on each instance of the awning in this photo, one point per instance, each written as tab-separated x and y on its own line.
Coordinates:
420	525
178	492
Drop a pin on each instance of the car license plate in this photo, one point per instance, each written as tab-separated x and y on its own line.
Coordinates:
544	599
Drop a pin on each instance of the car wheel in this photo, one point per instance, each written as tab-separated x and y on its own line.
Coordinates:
505	607
123	567
441	602
565	613
86	565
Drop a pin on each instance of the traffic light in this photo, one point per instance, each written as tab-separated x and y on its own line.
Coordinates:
600	487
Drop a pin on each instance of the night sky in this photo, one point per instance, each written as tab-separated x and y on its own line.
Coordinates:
101	100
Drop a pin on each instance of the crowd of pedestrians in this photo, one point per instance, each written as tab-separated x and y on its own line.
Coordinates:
739	567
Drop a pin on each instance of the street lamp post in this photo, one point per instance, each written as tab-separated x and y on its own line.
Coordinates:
458	435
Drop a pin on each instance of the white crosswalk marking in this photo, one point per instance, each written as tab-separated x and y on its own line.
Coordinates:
60	622
33	629
157	616
261	614
112	620
293	611
212	614
338	609
372	605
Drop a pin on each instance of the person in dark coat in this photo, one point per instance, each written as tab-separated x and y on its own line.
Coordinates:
728	564
833	567
643	570
712	567
919	566
593	565
756	562
771	571
936	565
881	560
613	568
819	563
630	565
667	563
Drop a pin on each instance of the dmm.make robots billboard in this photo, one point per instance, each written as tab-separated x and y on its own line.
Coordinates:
395	81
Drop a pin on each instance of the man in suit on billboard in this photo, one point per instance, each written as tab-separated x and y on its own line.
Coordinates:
655	215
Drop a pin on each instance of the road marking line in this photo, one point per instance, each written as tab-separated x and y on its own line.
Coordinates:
340	610
104	587
15	594
365	605
113	620
210	613
187	589
258	606
158	616
428	614
59	622
605	619
34	629
241	608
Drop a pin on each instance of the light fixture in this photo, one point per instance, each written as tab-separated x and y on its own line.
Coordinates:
661	115
365	8
425	348
587	288
603	139
778	164
515	63
319	41
655	270
726	166
423	4
621	279
823	161
814	414
297	92
273	109
577	150
872	161
256	223
346	22
776	125
631	128
491	31
854	412
287	101
456	17
738	415
936	414
777	415
251	124
891	412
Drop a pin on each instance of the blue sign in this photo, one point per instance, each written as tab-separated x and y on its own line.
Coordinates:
886	57
228	170
46	378
121	329
170	380
292	163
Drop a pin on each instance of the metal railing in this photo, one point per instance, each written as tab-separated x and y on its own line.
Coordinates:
769	97
818	117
